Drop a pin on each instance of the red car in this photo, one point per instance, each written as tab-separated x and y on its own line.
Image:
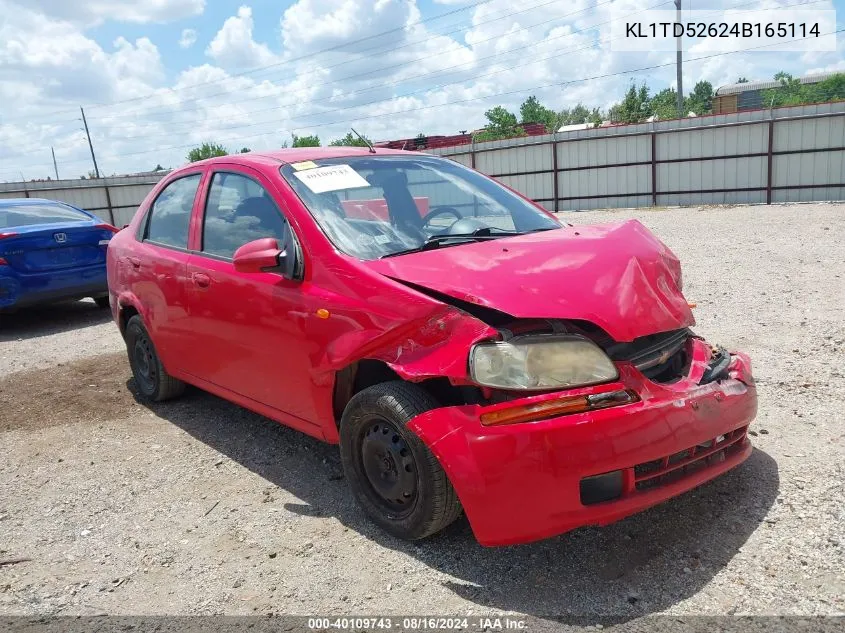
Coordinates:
467	350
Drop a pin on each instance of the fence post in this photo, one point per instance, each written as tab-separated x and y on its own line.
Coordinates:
653	168
555	173
108	203
769	166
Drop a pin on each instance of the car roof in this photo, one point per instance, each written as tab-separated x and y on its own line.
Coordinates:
299	154
12	202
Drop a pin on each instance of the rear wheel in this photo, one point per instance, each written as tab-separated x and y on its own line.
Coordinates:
102	302
151	379
392	473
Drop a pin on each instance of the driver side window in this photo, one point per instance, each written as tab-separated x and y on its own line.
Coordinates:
239	210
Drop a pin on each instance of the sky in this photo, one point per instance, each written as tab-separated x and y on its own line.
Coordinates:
158	77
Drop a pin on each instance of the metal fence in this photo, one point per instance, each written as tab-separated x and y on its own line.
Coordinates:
781	155
114	199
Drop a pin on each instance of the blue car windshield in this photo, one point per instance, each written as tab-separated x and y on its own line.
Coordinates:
378	206
16	215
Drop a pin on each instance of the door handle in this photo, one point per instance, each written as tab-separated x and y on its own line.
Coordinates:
201	279
136	263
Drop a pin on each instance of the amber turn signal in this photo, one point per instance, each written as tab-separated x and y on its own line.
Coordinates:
558	406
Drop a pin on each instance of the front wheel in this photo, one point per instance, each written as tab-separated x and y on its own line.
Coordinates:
151	379
392	473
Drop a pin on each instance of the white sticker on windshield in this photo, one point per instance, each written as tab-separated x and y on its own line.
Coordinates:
331	178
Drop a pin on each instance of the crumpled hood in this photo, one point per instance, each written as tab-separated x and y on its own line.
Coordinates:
617	276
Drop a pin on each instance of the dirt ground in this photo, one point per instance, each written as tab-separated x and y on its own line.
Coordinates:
200	507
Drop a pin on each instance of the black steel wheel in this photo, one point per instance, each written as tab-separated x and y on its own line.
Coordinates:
151	379
394	476
389	466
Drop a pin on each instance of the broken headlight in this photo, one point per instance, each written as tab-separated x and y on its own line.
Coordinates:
546	361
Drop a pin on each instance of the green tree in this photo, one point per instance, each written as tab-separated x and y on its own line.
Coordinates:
306	141
742	80
793	92
501	124
664	104
206	150
579	114
158	167
700	100
350	140
532	111
245	150
634	108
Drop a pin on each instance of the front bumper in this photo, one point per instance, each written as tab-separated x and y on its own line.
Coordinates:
522	482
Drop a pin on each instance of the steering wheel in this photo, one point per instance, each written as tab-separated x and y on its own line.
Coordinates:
442	210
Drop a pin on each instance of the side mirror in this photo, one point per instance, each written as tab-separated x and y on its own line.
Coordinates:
260	256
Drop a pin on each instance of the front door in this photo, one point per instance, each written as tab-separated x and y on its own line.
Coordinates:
247	328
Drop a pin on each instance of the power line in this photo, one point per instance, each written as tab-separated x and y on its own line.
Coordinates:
384	52
330	49
500	94
395	82
187	125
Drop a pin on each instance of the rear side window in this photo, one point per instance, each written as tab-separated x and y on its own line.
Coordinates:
239	210
170	215
30	214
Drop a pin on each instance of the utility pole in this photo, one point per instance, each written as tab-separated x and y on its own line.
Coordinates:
55	166
680	62
88	134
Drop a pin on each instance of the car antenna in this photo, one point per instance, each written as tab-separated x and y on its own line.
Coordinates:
370	145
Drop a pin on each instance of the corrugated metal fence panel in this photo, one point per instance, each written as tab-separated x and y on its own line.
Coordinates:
732	173
809	195
603	151
806	134
535	186
123	216
595	183
745	139
818	168
624	202
463	159
515	159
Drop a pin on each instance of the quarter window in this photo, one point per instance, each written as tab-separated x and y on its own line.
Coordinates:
170	216
239	210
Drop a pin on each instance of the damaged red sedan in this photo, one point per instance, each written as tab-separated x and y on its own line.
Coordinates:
468	351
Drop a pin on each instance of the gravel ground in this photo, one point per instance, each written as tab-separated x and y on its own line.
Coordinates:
200	507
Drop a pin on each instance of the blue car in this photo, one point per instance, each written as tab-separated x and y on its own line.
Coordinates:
51	251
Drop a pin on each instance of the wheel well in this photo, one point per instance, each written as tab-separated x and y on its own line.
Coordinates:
126	313
366	373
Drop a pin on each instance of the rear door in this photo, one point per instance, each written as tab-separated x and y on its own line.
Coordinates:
155	269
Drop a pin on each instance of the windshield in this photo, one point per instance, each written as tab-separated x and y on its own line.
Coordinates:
28	214
372	207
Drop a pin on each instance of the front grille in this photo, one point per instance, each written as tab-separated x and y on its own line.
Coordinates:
661	472
677	466
659	357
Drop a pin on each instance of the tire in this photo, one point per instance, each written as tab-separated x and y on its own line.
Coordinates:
393	475
151	379
102	302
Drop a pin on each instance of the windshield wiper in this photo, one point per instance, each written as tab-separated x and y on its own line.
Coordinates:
436	241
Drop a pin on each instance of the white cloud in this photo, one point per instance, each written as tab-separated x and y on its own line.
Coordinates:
233	46
188	39
406	77
96	11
